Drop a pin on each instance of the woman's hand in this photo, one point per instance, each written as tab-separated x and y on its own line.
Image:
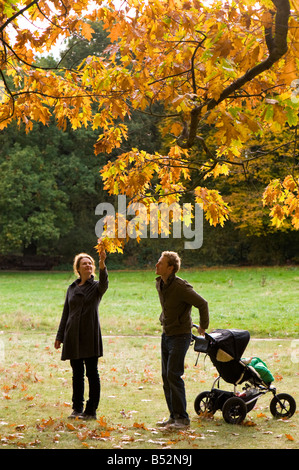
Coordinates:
57	344
102	258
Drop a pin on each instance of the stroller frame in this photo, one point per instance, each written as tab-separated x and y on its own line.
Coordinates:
225	348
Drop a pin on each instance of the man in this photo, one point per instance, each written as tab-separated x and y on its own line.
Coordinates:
177	297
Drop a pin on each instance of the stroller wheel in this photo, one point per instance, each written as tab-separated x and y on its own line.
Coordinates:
282	405
234	410
203	403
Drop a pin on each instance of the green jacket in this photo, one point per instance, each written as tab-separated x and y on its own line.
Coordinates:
261	367
177	297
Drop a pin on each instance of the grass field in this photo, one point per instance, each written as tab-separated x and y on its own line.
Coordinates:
36	385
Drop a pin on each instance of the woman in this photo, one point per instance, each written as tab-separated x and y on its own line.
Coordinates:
80	332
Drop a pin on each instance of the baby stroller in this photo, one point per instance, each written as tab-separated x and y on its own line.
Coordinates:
225	349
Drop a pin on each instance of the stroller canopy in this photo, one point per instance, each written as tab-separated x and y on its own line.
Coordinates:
232	342
225	349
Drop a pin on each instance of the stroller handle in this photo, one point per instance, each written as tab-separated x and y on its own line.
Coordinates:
201	344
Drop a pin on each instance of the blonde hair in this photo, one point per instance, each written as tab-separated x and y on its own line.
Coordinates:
77	261
173	260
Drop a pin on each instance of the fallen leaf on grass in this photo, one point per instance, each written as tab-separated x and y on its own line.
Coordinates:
45	423
102	421
82	436
249	423
20	427
71	427
140	426
85	444
160	443
127	414
22	445
206	415
127	439
12	437
104	424
278	377
34	443
92	434
29	397
261	415
6	388
289	437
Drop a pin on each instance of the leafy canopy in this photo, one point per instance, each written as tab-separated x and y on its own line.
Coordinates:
231	67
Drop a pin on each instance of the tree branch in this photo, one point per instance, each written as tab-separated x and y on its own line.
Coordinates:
277	47
18	13
10	94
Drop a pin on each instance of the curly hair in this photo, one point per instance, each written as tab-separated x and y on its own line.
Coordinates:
173	260
77	261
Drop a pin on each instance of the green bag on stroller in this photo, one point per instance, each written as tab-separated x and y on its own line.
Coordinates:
262	369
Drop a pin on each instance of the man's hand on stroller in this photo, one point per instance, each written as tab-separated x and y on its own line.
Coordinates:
201	331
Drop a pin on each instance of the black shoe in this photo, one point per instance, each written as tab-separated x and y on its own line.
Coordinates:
163	424
75	414
181	423
85	416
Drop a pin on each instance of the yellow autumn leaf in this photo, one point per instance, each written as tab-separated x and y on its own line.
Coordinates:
87	31
289	183
295	5
176	128
71	427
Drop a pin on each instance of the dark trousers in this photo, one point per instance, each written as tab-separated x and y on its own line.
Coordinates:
92	374
173	352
